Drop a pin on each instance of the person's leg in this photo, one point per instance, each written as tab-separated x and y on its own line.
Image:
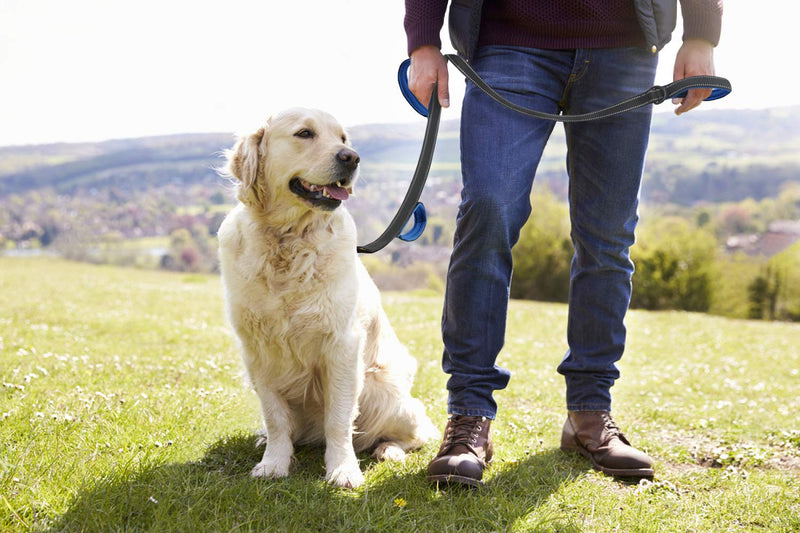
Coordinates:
500	150
605	163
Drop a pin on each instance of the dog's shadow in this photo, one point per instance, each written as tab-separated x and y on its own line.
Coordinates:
216	493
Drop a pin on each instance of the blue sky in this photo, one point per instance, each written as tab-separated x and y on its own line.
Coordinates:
87	70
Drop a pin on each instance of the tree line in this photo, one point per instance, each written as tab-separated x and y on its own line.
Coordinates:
680	261
680	256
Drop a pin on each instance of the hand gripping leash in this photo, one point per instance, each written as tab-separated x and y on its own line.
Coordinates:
411	206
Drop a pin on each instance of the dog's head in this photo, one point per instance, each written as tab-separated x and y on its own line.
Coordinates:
300	158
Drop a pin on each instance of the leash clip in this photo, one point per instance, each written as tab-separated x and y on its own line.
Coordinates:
658	94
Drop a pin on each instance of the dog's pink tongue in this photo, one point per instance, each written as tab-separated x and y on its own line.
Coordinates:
340	193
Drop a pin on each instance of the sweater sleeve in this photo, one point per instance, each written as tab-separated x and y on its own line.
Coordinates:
423	22
702	19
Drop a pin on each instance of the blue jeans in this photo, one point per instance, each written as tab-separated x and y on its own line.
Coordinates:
500	151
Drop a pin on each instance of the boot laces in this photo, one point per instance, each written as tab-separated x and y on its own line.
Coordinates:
464	430
612	428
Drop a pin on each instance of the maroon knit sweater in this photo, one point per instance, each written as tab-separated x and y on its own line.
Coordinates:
558	25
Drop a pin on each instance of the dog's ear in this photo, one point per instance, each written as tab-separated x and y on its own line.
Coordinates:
244	158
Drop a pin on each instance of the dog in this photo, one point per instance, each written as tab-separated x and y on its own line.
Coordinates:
317	346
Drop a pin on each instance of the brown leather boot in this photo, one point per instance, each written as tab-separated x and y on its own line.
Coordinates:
595	435
465	452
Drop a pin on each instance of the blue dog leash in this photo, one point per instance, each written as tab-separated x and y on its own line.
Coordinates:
411	206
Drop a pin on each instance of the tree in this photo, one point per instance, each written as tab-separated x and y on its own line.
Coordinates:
184	252
763	293
736	219
218	198
784	269
674	267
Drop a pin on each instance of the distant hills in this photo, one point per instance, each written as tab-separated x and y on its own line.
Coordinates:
708	156
143	162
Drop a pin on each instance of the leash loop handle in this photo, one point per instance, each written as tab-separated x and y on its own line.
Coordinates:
402	80
420	221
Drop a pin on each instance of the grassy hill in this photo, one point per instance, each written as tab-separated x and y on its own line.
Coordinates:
123	409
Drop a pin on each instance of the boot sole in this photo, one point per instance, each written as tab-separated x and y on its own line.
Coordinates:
636	473
454	480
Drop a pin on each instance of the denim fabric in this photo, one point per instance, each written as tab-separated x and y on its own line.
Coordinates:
500	151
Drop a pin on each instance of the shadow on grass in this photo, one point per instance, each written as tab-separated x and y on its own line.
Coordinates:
217	494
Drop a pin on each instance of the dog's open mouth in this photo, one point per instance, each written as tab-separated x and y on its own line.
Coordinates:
327	197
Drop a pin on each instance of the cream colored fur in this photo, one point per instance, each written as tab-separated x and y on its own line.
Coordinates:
315	341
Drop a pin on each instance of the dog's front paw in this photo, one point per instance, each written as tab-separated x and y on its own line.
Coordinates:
346	476
389	451
271	469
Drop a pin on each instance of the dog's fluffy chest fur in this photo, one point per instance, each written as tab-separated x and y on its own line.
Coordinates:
310	282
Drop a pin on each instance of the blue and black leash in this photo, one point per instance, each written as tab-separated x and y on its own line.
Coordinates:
412	207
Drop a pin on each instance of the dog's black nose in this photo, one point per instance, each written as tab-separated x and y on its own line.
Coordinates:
348	158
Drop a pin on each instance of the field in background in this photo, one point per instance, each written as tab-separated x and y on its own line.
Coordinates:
123	409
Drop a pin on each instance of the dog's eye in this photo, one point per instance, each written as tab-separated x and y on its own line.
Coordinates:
305	133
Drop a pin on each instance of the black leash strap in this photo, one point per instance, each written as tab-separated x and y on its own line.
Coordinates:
655	95
720	87
411	203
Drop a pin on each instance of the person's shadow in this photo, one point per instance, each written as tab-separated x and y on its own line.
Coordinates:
217	494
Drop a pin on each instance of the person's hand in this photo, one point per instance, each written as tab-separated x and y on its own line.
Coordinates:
427	66
695	58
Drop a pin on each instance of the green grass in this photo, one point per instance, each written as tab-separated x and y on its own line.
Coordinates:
122	408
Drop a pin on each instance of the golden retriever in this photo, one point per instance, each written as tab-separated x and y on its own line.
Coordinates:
316	344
